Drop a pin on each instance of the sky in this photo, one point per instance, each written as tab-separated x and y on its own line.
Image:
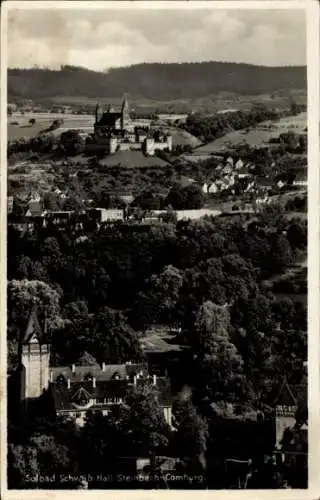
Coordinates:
101	39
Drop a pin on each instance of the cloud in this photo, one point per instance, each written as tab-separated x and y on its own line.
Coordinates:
111	38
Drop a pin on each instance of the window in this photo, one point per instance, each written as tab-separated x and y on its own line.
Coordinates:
61	382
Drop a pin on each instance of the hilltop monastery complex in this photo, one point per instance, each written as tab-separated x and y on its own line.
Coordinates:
116	131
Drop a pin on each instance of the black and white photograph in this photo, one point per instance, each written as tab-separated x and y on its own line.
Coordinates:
157	246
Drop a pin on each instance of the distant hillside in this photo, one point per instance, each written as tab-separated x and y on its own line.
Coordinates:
156	81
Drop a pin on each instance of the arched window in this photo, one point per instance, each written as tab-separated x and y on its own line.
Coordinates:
61	382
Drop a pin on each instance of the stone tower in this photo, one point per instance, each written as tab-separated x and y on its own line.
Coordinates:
125	113
285	410
35	358
98	113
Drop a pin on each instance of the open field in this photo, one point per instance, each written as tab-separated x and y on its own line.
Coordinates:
211	103
258	136
83	122
43	120
183	138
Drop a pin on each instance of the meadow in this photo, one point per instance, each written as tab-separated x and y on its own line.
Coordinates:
258	136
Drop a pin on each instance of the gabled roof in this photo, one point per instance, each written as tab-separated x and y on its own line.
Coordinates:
291	395
109	372
33	332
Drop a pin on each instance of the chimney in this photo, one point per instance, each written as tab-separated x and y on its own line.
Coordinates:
154	379
94	382
73	368
69	383
103	366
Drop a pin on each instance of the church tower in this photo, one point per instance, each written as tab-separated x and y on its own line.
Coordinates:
98	113
125	114
35	358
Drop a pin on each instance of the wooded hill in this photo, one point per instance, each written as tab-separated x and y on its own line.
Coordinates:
156	81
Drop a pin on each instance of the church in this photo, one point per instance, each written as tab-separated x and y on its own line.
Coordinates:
74	390
115	130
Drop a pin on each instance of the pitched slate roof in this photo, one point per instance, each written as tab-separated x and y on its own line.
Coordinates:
66	398
291	395
109	372
33	330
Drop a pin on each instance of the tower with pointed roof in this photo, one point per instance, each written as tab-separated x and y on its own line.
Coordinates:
35	358
286	405
98	113
125	113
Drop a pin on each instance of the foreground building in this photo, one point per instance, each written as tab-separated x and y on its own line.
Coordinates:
74	390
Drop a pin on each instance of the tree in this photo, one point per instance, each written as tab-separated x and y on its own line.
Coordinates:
143	422
297	235
22	295
183	198
100	444
194	197
220	365
160	301
106	336
71	143
147	201
280	255
23	466
53	457
169	216
73	204
191	437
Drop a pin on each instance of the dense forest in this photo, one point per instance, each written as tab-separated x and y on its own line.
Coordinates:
127	280
156	81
